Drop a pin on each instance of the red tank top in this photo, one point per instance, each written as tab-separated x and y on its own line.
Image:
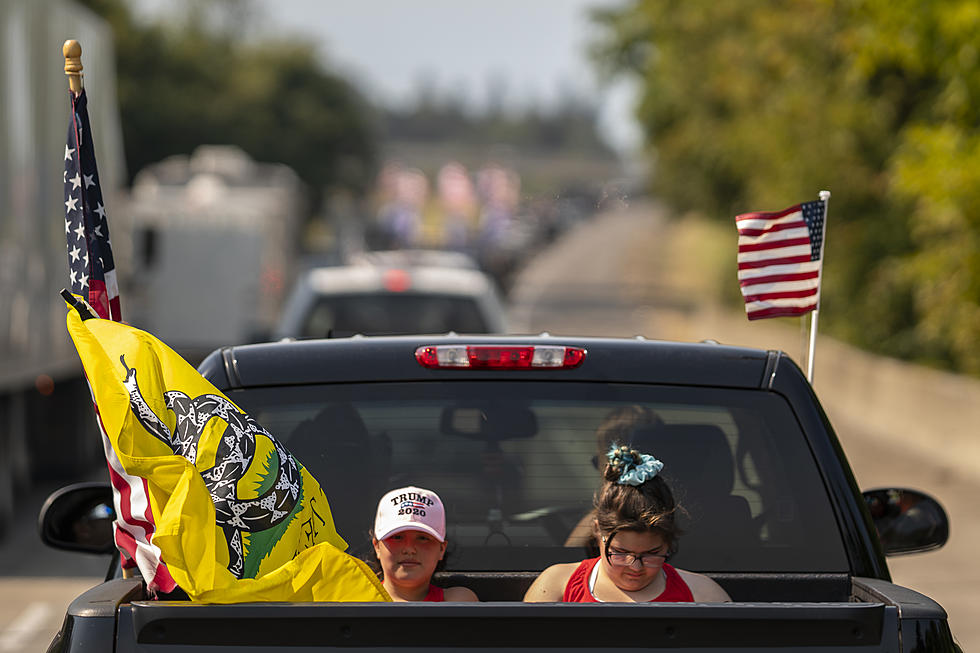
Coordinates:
577	588
435	594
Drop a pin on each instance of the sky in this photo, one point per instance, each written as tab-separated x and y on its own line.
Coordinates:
530	51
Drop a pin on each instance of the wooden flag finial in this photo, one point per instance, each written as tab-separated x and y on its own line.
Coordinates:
73	64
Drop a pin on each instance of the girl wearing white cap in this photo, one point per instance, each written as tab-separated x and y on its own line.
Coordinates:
410	540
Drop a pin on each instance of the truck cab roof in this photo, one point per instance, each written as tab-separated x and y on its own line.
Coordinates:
357	359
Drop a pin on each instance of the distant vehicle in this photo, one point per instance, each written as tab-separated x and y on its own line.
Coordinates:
215	233
384	300
47	429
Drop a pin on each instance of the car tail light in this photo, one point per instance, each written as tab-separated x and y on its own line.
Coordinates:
396	280
516	357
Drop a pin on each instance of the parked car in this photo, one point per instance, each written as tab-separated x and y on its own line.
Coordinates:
374	298
506	430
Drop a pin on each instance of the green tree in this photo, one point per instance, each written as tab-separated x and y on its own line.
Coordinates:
751	106
439	117
923	56
202	79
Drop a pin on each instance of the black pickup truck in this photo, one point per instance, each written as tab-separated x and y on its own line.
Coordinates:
508	431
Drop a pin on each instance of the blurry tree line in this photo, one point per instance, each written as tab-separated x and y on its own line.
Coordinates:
207	74
439	117
757	106
202	78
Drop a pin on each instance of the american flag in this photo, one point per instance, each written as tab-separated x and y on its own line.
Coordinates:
92	277
779	256
91	271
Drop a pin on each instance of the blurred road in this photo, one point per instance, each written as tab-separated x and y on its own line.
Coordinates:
38	583
619	276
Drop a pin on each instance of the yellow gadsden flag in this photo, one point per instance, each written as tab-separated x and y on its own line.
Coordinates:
237	518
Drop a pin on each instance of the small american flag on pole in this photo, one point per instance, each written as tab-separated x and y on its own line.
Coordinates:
779	259
91	270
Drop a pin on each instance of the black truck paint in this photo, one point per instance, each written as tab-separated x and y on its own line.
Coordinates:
858	609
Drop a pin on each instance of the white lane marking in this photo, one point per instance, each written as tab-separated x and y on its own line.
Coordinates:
25	625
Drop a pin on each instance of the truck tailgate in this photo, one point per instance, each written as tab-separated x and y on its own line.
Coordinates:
162	627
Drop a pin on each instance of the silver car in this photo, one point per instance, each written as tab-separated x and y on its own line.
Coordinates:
374	299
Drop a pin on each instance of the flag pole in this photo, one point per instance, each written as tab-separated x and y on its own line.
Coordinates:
814	315
73	64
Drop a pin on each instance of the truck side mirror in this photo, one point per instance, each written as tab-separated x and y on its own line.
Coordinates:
79	518
908	521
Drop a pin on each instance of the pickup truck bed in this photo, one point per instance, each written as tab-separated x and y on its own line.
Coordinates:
867	617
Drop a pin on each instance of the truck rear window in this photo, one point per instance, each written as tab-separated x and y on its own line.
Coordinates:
392	314
516	465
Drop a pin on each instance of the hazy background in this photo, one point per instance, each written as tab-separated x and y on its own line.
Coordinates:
595	150
517	54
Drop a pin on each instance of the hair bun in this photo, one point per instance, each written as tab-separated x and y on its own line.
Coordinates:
621	457
631	467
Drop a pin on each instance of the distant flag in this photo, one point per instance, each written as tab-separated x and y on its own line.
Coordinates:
92	272
779	259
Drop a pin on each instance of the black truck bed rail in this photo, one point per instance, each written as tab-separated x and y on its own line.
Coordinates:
176	626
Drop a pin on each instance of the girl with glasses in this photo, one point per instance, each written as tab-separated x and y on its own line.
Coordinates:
636	531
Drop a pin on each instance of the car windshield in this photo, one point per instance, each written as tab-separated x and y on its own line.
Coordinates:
516	464
392	314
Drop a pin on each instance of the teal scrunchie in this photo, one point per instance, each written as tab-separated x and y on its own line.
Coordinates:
638	468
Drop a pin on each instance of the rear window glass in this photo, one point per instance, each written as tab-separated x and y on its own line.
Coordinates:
516	465
392	314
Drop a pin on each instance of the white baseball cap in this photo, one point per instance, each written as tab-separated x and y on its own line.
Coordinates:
410	509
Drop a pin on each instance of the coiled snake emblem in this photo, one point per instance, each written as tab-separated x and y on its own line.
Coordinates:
235	452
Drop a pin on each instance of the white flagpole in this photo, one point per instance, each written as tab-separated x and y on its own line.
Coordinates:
825	196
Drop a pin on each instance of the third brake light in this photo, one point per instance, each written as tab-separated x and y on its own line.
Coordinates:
506	357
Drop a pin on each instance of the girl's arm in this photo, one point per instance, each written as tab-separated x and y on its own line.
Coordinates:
550	584
703	588
459	594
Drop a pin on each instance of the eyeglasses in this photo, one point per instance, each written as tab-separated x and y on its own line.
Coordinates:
627	558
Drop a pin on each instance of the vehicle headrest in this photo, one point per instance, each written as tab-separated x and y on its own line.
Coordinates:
696	457
341	424
336	431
